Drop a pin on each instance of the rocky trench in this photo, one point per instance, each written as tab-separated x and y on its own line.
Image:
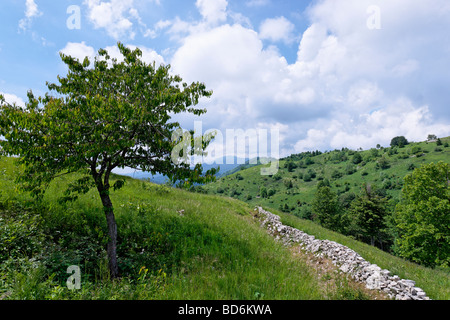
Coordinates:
346	259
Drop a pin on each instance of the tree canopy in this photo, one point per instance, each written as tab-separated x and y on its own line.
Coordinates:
423	216
400	142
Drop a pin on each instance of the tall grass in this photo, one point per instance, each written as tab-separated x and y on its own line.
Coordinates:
172	244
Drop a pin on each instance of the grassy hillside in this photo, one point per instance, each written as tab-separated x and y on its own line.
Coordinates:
213	249
173	244
292	189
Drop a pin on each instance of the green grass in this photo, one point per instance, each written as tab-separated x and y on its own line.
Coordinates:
213	250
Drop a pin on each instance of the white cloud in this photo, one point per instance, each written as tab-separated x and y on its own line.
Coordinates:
113	16
350	86
277	29
11	99
369	129
375	83
31	11
213	11
79	51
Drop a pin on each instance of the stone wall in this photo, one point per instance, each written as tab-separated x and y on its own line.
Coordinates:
347	260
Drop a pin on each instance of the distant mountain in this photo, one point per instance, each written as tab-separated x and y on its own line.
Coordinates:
246	165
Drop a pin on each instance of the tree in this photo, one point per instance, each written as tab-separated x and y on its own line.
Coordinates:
263	192
422	217
367	215
104	115
271	192
290	166
357	158
325	207
399	141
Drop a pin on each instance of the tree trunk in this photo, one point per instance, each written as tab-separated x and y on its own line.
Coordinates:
112	232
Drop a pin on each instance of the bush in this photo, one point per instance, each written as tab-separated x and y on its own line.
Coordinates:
288	183
263	192
416	150
307	177
350	169
309	161
336	174
383	163
357	158
20	234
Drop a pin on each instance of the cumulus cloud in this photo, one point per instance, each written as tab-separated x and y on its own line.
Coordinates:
351	86
374	81
148	55
213	11
277	29
79	50
117	18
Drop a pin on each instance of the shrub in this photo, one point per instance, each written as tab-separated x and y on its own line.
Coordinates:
357	158
288	183
383	163
336	174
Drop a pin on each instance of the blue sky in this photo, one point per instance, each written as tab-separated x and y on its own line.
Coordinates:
326	74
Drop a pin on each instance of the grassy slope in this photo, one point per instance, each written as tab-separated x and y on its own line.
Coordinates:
214	250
